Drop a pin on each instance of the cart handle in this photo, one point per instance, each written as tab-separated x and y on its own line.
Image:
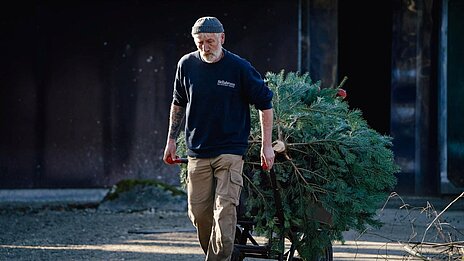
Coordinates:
277	197
176	160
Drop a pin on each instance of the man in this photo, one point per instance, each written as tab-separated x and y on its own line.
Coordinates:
214	88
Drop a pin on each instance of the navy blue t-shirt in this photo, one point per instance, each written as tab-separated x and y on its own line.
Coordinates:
217	97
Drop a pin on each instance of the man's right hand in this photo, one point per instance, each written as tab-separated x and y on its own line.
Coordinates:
170	152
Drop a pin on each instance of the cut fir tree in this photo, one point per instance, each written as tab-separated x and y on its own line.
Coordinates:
333	170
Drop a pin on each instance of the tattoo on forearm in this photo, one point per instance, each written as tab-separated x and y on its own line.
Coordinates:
177	115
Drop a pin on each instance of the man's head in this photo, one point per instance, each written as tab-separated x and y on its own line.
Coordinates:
208	34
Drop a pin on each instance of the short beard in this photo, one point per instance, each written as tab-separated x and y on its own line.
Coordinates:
212	57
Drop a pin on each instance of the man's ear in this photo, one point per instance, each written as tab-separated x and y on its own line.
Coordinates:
223	38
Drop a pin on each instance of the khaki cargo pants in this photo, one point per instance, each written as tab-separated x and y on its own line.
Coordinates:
214	186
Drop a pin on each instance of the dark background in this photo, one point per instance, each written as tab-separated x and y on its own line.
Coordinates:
87	85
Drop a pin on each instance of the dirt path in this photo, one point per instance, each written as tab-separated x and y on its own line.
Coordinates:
89	234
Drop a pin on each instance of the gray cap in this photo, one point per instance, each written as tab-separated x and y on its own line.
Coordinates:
207	24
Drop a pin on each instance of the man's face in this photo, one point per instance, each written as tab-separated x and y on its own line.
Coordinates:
209	45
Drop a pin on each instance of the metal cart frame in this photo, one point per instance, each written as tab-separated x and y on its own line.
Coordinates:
247	246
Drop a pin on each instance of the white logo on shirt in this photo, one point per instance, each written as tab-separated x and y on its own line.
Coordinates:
226	83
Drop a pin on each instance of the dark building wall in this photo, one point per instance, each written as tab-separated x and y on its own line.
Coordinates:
414	95
86	86
451	93
388	51
364	47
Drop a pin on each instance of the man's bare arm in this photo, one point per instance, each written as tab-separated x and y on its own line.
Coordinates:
175	121
266	118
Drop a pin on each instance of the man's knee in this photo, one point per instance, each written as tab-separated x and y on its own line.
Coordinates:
200	213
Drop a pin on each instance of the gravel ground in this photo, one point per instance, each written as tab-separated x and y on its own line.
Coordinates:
89	234
85	232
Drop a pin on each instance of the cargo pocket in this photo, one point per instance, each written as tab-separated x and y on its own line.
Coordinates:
236	181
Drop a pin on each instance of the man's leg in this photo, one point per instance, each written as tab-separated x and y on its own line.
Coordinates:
229	181
200	191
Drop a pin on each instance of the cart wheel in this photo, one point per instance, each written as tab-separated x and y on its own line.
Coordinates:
238	235
327	255
237	255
